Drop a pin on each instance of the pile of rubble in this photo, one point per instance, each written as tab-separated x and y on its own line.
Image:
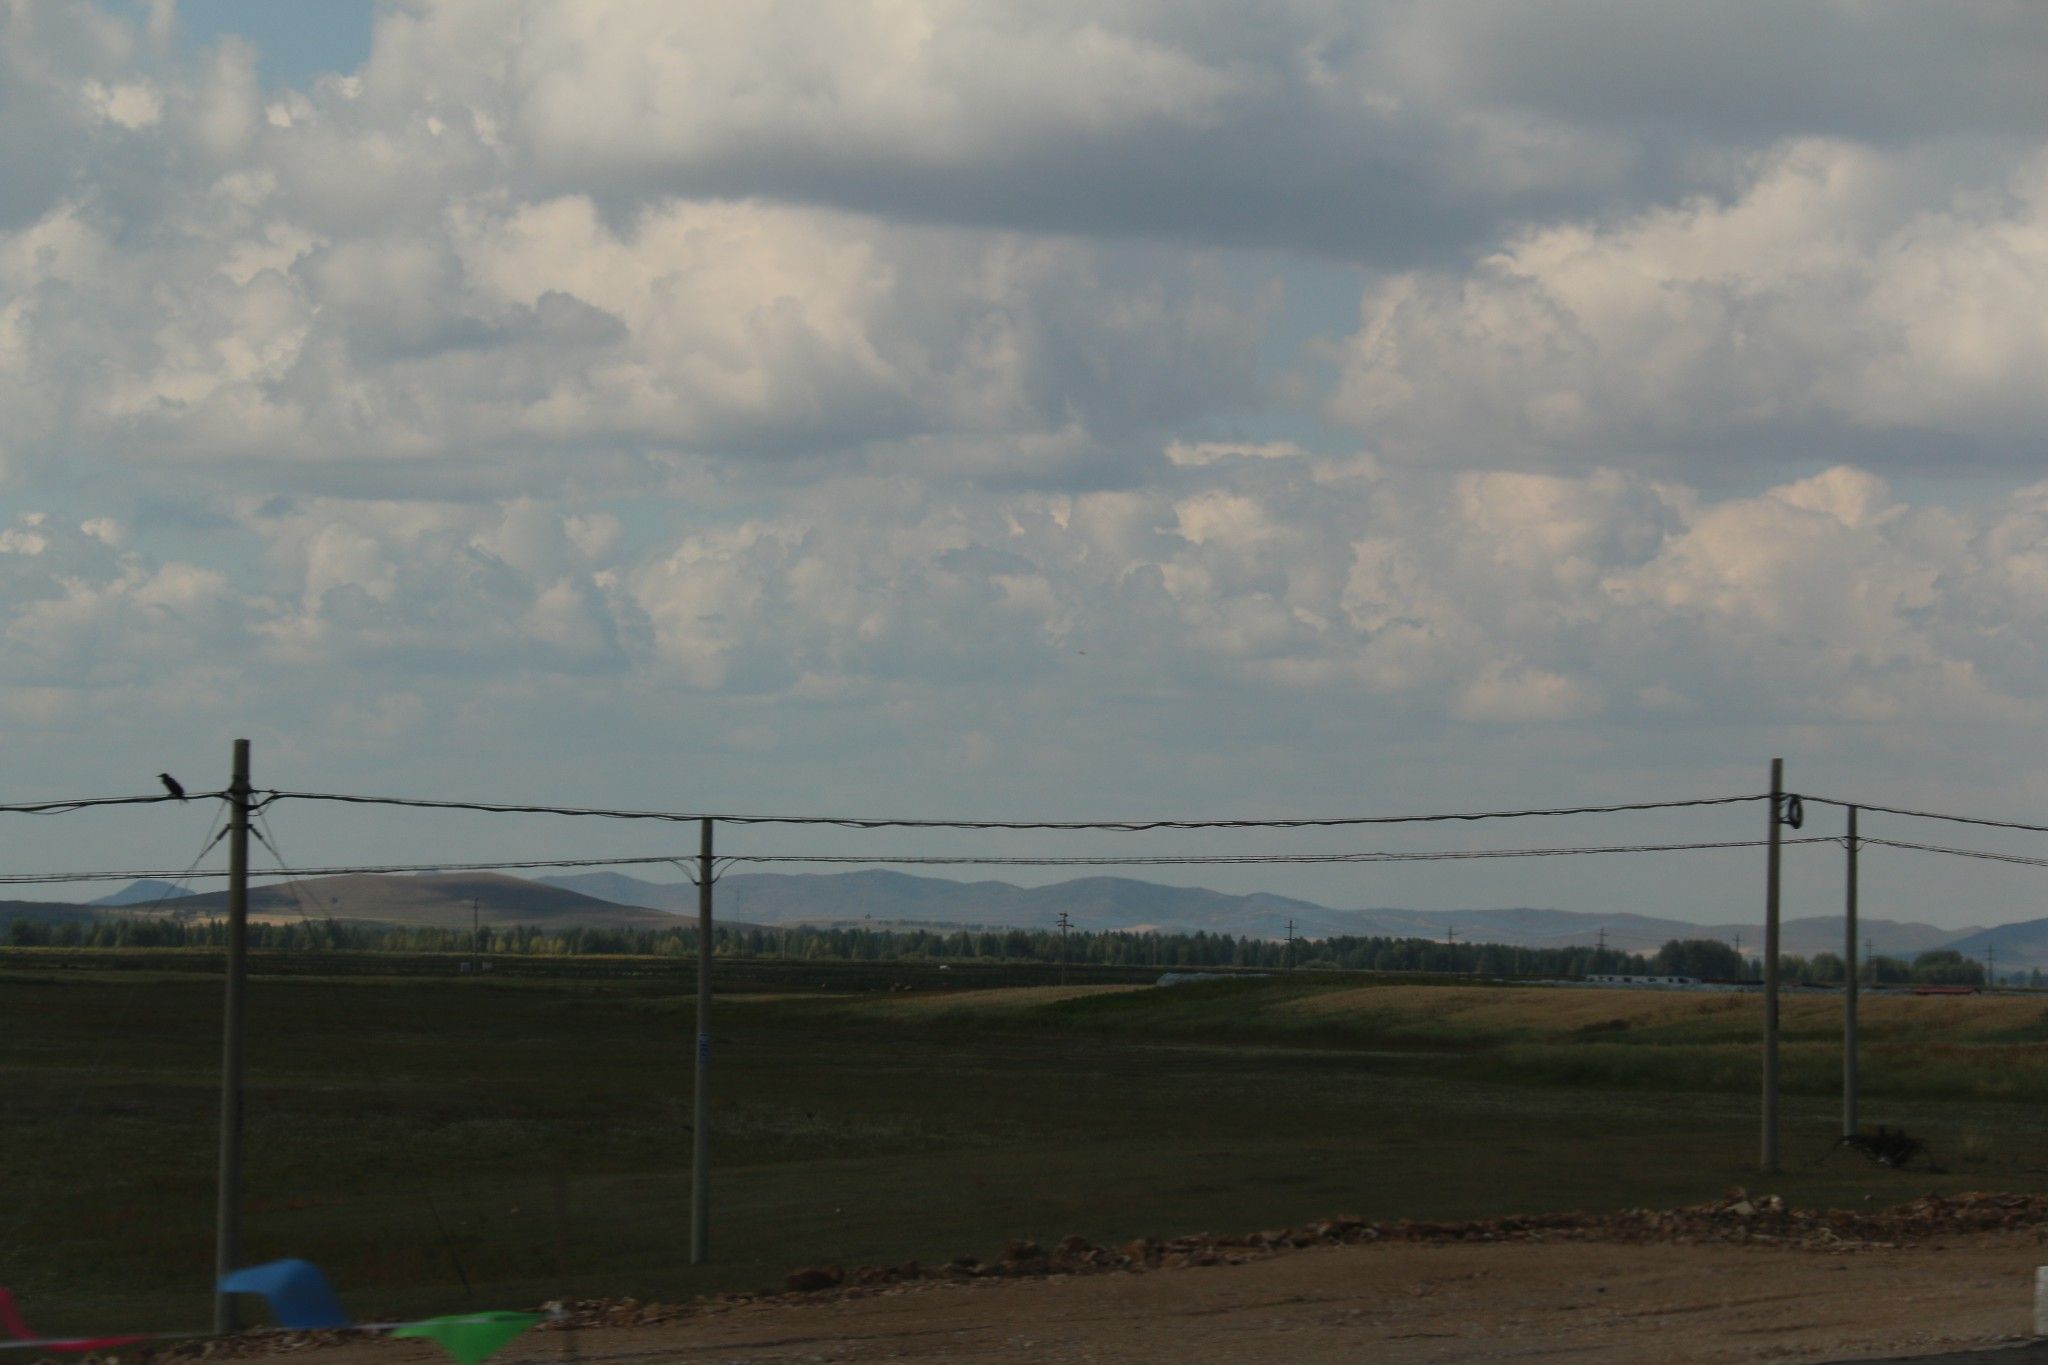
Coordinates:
1737	1217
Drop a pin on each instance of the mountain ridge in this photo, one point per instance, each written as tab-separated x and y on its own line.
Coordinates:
436	901
885	898
1121	903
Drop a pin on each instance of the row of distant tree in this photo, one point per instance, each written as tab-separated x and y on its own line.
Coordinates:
1711	959
856	943
1708	959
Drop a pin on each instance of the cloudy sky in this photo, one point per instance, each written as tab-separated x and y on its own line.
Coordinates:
1152	407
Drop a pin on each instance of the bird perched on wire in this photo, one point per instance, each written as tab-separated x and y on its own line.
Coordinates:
172	785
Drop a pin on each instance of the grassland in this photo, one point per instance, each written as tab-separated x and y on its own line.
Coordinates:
527	1132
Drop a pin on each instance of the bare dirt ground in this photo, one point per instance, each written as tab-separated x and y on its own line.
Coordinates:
1390	1301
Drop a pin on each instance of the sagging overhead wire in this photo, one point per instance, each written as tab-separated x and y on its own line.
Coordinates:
1985	822
947	860
61	807
909	822
259	827
1213	859
1984	853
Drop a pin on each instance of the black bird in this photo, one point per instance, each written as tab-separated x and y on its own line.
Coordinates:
172	785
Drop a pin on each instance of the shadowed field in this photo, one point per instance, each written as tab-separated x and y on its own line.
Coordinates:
529	1135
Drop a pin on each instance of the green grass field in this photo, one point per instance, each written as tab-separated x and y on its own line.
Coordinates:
410	1129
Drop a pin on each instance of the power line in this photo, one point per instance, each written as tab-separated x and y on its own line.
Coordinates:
60	807
67	805
43	878
942	860
1984	853
260	827
1232	859
1932	815
905	822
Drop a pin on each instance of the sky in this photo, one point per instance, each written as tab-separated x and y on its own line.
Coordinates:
1017	410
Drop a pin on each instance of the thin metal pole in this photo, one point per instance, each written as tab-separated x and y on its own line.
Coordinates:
1770	1116
700	1132
1849	988
227	1224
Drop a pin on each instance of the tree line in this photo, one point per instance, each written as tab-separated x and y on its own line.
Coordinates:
846	942
1713	960
1706	959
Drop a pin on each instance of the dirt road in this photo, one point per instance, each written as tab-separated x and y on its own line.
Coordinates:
1393	1303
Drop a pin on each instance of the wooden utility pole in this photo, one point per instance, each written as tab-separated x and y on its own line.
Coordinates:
700	1131
1771	860
1849	986
227	1222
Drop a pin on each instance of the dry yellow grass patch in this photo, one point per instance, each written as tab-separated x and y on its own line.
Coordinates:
1991	1013
1566	1010
1001	998
1489	1010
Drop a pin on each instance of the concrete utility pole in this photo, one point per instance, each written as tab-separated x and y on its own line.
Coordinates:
1771	861
227	1221
700	1114
1849	986
1064	925
476	940
1287	953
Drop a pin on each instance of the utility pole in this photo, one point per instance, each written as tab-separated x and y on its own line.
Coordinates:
1849	986
700	1112
476	940
227	1222
1991	963
1287	954
1600	945
1771	862
1064	924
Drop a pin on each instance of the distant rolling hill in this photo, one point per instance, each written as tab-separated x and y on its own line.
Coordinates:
1101	902
1125	903
2019	947
440	902
897	900
145	892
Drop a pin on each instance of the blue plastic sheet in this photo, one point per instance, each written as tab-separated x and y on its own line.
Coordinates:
298	1293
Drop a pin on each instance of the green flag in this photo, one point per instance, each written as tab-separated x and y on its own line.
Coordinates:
469	1337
